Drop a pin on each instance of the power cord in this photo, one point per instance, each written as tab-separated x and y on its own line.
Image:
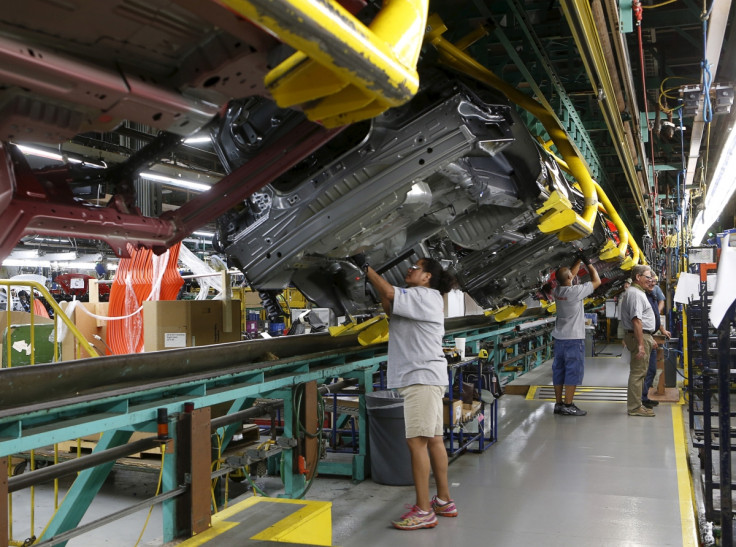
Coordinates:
301	428
158	490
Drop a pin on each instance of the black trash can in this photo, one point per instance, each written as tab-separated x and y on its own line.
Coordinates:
389	454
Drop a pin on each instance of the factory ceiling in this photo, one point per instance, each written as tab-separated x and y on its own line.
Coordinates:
120	85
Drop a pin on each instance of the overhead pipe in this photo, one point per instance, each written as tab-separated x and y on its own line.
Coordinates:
460	60
580	19
625	94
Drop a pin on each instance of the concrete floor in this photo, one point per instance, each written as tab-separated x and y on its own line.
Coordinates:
602	479
605	479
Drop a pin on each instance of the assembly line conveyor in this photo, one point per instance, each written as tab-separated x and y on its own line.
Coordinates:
171	395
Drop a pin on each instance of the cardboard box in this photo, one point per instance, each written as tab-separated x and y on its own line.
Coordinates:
469	411
174	324
457	411
252	300
87	326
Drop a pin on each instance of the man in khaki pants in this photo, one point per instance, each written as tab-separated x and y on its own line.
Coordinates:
638	321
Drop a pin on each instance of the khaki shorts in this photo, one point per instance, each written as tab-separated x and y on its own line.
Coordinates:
422	410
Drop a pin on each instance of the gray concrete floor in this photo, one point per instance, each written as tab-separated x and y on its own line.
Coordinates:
603	479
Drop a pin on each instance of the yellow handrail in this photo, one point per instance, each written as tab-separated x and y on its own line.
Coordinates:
343	71
58	314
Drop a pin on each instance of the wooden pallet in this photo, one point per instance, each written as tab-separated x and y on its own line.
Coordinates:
86	445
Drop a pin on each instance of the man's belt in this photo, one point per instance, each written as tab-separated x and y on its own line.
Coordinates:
644	331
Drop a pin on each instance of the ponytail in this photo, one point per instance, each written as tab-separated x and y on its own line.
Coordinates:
441	279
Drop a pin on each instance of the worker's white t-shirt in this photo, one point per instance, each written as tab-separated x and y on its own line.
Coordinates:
416	329
570	324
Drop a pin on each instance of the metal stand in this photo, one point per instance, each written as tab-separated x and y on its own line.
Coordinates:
457	437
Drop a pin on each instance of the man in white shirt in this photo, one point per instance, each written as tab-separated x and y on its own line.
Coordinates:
639	323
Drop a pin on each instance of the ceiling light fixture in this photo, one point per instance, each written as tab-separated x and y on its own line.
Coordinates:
52	239
198	140
63	256
24	253
203	234
719	192
51	155
180	183
44	263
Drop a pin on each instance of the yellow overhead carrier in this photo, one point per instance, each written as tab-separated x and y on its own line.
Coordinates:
342	72
557	214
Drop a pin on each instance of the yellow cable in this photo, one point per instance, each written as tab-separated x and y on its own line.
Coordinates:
214	503
56	494
33	494
158	490
56	481
10	472
217	463
227	489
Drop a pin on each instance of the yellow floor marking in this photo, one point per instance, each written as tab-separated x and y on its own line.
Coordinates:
317	513
684	483
532	392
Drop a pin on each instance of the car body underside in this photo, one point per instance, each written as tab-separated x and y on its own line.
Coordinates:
453	174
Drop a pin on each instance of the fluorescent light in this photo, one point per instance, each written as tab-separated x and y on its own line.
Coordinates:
51	155
198	140
52	239
24	253
203	234
30	262
41	263
197	241
174	182
70	255
39	152
719	192
78	265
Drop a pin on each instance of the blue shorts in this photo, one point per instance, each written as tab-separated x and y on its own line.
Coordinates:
567	366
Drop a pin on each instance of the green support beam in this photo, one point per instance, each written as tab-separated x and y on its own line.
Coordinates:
84	489
566	111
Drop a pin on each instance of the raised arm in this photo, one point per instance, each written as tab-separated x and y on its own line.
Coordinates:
594	277
384	288
575	268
